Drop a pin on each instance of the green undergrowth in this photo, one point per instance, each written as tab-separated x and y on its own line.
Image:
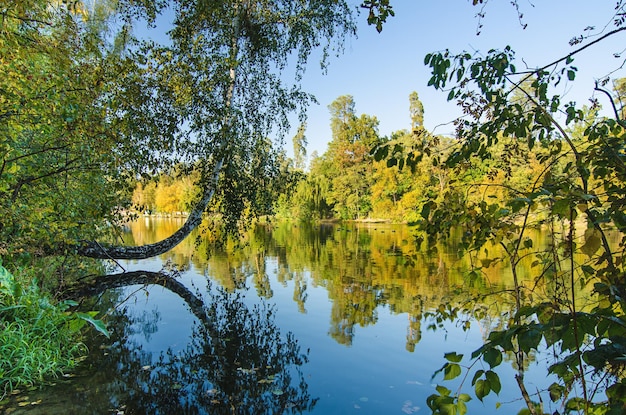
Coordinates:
41	338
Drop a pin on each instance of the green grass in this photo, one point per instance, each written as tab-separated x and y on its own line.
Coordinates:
40	339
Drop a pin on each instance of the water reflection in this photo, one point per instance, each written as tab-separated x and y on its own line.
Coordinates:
364	298
235	360
362	268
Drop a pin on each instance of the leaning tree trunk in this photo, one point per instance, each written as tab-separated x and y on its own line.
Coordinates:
93	249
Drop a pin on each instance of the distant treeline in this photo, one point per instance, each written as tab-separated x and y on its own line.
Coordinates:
362	175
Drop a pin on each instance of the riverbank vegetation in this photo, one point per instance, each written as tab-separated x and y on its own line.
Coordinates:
41	337
362	176
87	108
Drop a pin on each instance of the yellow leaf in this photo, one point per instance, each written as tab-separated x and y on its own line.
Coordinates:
593	242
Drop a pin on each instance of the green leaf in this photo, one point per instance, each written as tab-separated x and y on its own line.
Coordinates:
97	324
443	391
493	357
482	389
556	392
461	408
453	357
464	397
451	371
575	404
477	375
494	381
593	242
529	339
571	74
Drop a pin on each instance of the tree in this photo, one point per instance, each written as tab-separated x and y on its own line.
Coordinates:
59	155
587	185
220	88
416	109
347	160
299	147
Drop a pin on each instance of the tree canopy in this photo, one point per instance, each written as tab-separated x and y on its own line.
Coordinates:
88	107
574	190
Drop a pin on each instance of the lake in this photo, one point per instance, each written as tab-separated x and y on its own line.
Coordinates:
312	319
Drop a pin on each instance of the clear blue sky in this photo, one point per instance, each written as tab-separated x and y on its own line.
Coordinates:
381	70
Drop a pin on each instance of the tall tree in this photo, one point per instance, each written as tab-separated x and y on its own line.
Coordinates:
416	109
209	98
348	160
299	147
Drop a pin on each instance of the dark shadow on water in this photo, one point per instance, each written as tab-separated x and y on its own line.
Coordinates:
236	361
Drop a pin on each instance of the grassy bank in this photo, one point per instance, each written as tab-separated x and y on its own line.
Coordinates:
41	338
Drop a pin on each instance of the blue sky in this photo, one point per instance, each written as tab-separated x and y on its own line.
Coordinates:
381	70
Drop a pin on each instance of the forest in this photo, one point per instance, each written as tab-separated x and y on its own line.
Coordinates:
99	125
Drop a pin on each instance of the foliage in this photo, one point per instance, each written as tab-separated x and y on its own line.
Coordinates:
379	10
58	174
83	121
40	338
342	177
577	179
88	109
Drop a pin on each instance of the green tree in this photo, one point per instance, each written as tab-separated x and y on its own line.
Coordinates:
299	147
347	160
576	180
416	109
221	92
59	162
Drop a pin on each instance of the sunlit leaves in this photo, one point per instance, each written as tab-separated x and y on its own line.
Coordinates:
59	175
451	371
453	357
443	403
379	11
581	180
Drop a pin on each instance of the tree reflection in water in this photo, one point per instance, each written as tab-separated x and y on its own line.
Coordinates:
236	362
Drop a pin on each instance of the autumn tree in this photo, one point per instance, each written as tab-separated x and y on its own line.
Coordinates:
59	155
209	99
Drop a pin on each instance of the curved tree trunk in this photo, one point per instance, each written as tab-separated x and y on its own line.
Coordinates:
94	249
102	251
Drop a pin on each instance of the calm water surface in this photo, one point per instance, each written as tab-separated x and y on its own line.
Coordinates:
329	319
